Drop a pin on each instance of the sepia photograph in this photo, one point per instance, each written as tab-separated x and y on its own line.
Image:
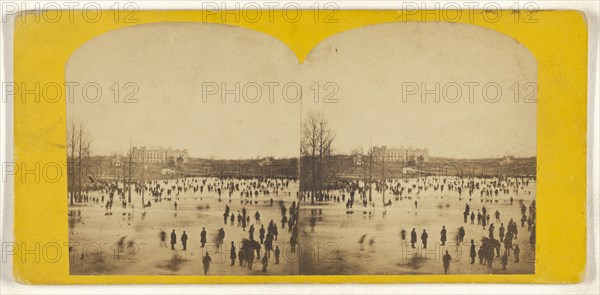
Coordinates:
392	149
177	168
425	162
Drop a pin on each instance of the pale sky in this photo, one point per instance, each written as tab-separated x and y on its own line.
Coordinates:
170	62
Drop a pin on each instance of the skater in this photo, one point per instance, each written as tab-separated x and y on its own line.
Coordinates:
175	205
413	238
424	237
261	233
472	253
265	263
497	216
203	237
184	239
232	254
501	232
206	260
472	217
442	236
173	240
257	217
241	257
163	238
480	254
461	234
517	252
277	253
504	260
284	220
446	260
251	233
293	241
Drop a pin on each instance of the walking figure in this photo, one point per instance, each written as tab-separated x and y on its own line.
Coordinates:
184	239
173	240
206	260
446	260
361	241
443	236
277	253
163	238
413	238
203	237
424	236
472	253
232	254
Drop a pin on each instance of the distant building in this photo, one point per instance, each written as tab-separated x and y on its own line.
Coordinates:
160	155
400	154
116	160
266	161
358	160
507	161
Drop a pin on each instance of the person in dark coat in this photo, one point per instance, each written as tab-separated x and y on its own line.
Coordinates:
461	234
268	245
206	260
472	253
278	252
446	260
424	237
504	260
251	233
232	253
184	239
413	237
480	254
203	237
442	236
173	240
241	257
261	233
265	263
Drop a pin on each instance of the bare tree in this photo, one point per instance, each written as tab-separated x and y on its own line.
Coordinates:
129	167
72	138
316	147
78	154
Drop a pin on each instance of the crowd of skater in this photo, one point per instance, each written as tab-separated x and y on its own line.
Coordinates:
490	247
249	249
494	233
357	192
243	201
